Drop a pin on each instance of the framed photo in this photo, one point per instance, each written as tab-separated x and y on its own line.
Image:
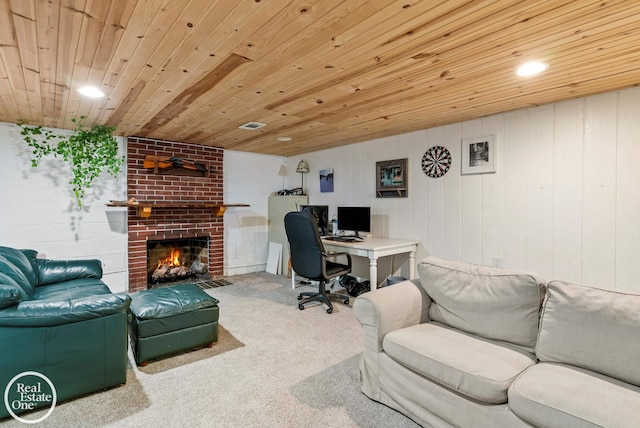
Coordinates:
326	180
391	179
478	155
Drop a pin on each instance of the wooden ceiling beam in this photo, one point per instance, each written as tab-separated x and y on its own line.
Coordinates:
186	98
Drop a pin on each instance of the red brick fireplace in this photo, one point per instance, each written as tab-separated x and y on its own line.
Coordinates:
174	197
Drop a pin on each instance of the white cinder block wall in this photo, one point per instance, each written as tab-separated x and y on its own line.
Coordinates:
38	211
564	202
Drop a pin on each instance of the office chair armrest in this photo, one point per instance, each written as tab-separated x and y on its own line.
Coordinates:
335	255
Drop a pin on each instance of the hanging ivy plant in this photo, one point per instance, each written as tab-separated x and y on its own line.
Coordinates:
89	151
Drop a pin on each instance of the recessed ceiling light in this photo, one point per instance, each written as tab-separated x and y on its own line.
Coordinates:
531	68
285	138
91	92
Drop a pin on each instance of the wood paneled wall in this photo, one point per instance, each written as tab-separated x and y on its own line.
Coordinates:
563	203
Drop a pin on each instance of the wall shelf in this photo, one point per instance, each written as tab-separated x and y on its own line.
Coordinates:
145	209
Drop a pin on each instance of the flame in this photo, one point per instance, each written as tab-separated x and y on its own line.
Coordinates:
172	260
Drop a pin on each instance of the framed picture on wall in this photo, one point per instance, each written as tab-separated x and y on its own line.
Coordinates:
391	179
478	155
326	180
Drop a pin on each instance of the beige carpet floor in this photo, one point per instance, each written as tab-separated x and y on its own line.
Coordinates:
273	366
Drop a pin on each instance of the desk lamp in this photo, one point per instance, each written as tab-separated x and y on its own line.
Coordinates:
302	168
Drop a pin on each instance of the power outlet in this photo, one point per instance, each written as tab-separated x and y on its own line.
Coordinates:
496	261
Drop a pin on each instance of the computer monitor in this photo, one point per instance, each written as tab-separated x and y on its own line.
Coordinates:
354	219
321	214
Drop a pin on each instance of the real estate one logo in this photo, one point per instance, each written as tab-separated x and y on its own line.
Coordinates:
28	391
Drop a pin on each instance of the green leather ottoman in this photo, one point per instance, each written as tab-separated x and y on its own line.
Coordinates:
172	319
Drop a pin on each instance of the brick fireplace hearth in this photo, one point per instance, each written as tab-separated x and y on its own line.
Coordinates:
167	223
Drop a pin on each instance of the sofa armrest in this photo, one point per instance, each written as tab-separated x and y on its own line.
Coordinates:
390	308
47	313
54	271
379	312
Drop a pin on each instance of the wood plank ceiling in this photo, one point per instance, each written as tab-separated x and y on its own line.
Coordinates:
325	72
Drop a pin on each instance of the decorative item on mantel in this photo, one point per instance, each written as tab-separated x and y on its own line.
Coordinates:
302	168
176	166
146	208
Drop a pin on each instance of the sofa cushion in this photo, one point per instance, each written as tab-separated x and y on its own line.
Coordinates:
54	271
10	270
494	303
32	256
74	289
555	395
472	366
10	292
169	301
49	313
21	259
591	328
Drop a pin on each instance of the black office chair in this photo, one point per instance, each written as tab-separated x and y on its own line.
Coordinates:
309	260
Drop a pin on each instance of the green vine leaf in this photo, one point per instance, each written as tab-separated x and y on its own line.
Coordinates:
89	152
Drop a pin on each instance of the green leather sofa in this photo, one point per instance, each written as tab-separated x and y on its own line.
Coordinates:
59	319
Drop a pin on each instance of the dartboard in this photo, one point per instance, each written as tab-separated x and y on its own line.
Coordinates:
436	161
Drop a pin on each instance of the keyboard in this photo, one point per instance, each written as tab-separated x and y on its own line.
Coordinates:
343	238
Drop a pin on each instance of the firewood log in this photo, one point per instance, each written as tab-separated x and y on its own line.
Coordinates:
174	271
160	272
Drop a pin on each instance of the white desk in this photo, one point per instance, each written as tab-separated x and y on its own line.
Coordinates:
372	248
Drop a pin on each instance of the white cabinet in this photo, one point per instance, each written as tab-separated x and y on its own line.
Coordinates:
279	206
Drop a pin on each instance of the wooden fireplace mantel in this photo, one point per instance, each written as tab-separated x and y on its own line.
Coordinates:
146	208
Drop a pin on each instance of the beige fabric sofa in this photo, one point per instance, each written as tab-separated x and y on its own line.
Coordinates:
474	346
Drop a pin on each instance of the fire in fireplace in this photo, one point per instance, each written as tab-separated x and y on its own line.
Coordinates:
175	260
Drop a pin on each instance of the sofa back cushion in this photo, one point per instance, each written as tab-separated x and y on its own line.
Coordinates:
10	292
13	276
591	328
55	271
494	303
23	260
